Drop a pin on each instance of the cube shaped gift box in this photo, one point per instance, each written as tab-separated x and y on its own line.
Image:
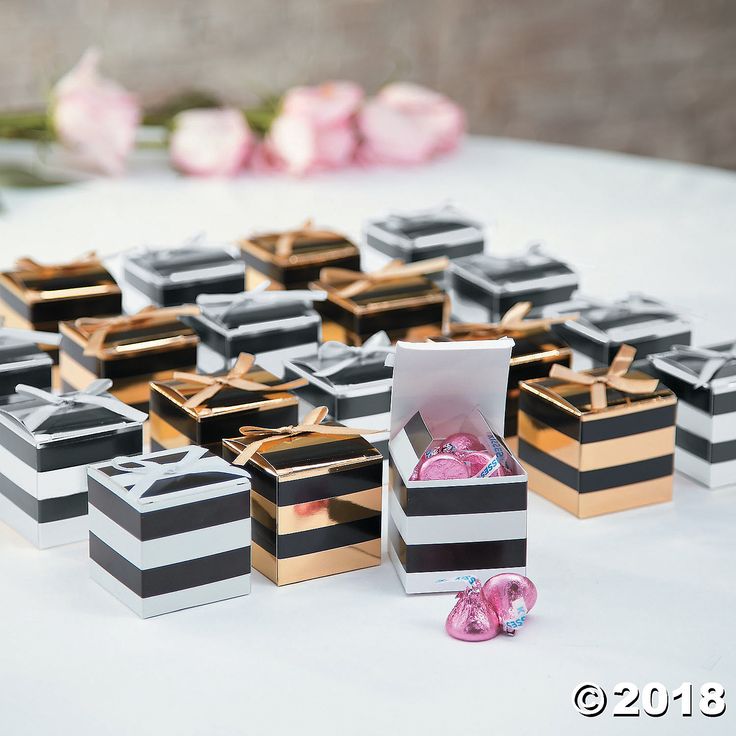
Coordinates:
598	441
46	442
315	498
602	327
169	530
204	409
416	236
704	379
272	325
485	287
169	277
400	299
442	529
22	360
354	383
293	258
132	350
35	296
536	349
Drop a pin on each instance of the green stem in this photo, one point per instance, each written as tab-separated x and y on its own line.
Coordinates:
29	125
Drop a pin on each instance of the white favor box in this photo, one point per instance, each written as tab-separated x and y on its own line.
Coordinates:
170	530
439	530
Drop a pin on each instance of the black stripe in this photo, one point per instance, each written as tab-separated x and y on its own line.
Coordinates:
48	509
170	578
448	500
351	480
167	522
274	339
175	294
459	555
712	452
39	376
626	425
263	536
412	254
73	452
298	276
596	480
539	297
328	537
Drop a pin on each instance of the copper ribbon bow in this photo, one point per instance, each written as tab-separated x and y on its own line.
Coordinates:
312	424
196	460
234	378
713	360
613	378
513	320
147	317
29	264
358	282
286	240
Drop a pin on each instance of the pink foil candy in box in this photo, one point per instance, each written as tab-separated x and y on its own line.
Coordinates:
457	496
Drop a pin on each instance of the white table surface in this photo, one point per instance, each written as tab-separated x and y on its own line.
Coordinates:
644	595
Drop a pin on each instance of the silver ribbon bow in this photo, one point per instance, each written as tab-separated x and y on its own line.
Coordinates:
713	360
150	472
219	306
32	336
91	395
347	355
431	213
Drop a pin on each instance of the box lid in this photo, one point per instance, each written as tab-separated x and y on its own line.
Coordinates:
711	367
451	378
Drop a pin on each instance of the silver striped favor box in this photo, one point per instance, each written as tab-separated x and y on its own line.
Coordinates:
170	530
441	529
46	442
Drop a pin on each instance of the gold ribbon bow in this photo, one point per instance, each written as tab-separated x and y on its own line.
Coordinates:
312	424
358	282
286	240
613	378
234	378
29	264
514	320
147	317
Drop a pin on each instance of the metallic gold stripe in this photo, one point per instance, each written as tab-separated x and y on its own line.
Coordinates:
585	505
317	564
551	355
134	390
329	511
167	436
254	278
596	455
342	249
263	510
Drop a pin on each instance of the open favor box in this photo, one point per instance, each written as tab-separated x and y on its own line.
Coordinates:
439	530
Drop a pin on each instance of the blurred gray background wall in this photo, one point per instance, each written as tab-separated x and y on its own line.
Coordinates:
656	77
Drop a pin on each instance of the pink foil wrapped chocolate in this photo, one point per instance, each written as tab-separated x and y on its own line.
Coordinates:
471	618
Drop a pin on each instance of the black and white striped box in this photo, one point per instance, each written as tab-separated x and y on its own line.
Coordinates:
23	361
272	325
354	383
170	530
439	530
603	327
485	287
422	234
170	277
704	380
46	443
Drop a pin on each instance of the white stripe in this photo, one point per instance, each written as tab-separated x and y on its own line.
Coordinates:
426	582
172	549
454	528
42	359
284	324
157	605
712	427
48	484
712	475
654	327
43	536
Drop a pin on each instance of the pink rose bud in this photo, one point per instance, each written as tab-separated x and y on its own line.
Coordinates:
210	142
315	129
95	117
408	124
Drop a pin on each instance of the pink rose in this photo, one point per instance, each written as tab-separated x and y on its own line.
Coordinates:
315	128
408	124
95	117
210	142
